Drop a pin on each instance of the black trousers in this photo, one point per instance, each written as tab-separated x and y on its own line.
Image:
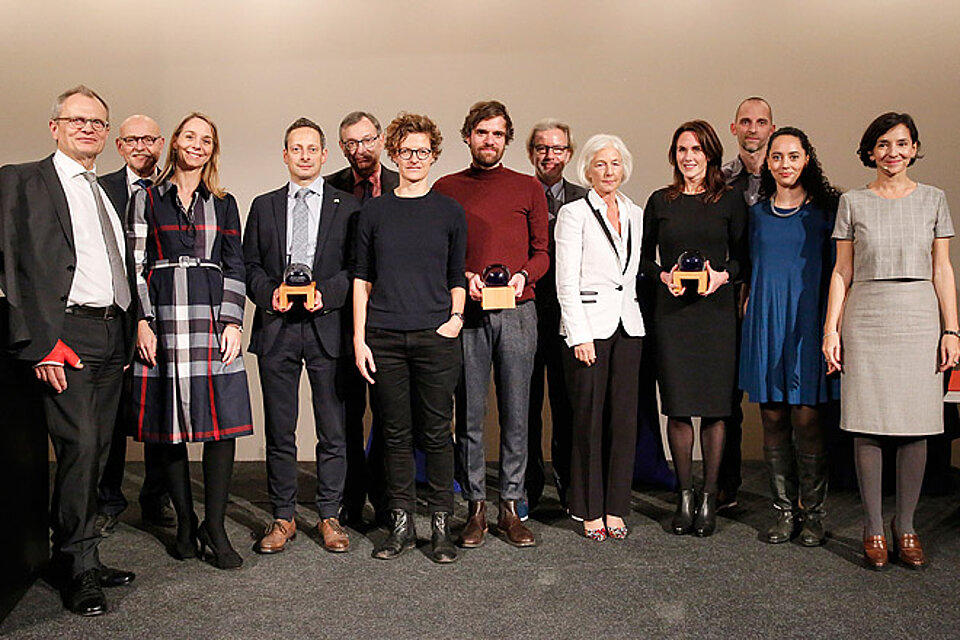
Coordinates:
364	468
80	422
604	400
549	360
417	373
298	346
729	478
110	496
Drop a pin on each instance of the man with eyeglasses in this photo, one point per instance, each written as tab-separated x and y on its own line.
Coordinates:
506	225
68	280
549	148
306	221
140	145
361	141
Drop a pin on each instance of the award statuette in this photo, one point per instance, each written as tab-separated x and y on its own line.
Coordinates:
298	281
690	266
497	292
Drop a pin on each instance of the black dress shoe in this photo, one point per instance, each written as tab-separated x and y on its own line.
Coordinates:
402	536
682	523
84	596
110	577
158	514
106	523
442	549
706	521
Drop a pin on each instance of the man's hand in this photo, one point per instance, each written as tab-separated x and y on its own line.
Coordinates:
518	281
317	302
276	302
51	369
474	286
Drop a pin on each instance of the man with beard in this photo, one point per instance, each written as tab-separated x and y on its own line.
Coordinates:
550	148
140	145
506	224
361	141
752	126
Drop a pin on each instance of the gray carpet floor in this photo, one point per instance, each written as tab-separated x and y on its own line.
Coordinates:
653	584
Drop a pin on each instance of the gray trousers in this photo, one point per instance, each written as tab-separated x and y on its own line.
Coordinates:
506	339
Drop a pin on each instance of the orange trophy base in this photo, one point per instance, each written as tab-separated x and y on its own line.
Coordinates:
498	298
309	290
699	276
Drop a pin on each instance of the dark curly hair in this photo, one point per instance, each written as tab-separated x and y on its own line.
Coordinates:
823	194
880	125
405	124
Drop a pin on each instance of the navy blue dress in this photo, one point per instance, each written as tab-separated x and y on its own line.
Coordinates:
792	258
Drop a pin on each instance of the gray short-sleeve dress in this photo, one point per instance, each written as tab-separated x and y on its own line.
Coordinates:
891	321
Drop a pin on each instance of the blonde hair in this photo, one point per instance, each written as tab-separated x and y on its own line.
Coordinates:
210	174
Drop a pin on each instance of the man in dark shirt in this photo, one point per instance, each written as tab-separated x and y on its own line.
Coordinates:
550	147
506	224
752	126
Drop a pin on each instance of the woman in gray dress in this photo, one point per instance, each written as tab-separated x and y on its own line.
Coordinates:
893	309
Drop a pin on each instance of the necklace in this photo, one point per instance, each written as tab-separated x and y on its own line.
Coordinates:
785	213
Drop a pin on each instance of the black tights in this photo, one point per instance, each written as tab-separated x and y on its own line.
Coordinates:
680	436
217	472
782	423
911	463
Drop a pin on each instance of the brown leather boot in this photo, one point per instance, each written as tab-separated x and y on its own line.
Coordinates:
509	524
473	532
276	536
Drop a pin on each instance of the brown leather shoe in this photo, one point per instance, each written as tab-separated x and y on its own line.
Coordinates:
875	552
473	532
335	539
509	524
276	536
908	549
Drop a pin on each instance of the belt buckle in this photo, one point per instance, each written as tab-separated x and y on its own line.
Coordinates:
188	261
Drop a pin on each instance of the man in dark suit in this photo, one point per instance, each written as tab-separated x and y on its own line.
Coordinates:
69	286
305	222
361	141
550	148
140	145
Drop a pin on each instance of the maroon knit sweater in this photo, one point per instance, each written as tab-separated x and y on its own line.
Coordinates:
506	220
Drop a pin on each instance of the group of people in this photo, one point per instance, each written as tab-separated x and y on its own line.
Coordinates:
757	275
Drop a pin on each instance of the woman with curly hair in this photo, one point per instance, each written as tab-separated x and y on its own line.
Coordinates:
780	362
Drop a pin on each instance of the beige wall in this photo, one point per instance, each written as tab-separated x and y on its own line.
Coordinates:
632	68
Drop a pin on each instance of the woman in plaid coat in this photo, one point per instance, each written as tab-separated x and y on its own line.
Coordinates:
189	381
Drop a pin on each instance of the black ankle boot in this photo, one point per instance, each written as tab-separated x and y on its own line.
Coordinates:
686	512
812	471
442	549
402	536
706	521
783	488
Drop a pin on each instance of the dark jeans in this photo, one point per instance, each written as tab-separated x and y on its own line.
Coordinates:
80	421
604	398
417	372
549	360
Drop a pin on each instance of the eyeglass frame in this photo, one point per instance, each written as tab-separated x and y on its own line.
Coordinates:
353	145
406	153
557	150
138	139
98	125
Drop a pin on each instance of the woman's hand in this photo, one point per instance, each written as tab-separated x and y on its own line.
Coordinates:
364	359
451	328
715	279
666	277
230	343
949	351
146	343
585	353
831	351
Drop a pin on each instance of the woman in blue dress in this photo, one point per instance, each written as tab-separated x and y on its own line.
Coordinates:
780	361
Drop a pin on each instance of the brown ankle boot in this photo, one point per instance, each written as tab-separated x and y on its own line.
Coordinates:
473	532
509	524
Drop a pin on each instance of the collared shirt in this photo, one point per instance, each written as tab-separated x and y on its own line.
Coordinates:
555	190
132	178
358	181
735	173
313	204
92	280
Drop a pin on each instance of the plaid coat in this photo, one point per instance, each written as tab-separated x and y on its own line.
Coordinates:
190	284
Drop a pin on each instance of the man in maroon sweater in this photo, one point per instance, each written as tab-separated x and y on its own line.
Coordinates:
506	224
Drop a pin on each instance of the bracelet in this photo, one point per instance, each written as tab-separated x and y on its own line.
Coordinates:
457	314
831	334
951	332
526	276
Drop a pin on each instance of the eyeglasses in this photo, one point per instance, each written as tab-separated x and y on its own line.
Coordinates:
368	143
422	154
542	150
79	123
132	141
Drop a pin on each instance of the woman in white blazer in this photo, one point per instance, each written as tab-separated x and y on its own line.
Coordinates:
598	257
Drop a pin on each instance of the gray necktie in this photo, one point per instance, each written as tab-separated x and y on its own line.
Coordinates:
300	246
552	204
118	273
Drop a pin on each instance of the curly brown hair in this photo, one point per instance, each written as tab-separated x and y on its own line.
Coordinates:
405	124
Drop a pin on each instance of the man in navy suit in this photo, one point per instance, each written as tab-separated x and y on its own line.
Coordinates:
304	222
140	145
67	276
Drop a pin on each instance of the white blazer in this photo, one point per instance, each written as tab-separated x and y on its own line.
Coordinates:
597	269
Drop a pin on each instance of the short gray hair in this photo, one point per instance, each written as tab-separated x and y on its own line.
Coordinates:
354	117
595	144
549	124
82	90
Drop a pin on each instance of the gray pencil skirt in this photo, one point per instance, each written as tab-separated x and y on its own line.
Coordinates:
890	339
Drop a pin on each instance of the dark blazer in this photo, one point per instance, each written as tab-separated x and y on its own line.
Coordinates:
115	184
265	257
546	286
343	179
37	258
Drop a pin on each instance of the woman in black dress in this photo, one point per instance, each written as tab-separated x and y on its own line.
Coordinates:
189	381
695	332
